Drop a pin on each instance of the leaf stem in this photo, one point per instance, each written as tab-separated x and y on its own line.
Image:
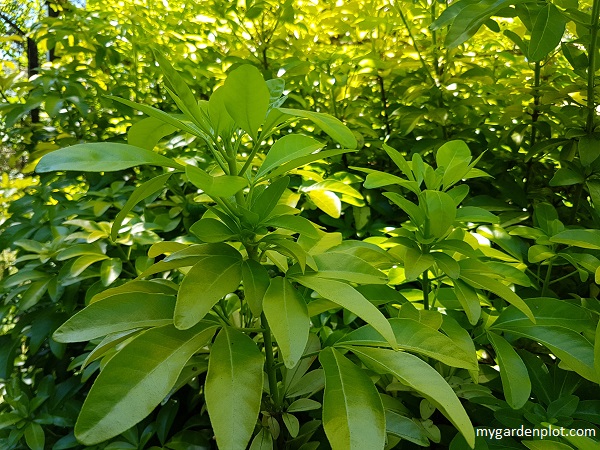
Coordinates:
591	101
271	369
547	279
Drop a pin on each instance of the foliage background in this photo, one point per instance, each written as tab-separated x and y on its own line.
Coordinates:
523	105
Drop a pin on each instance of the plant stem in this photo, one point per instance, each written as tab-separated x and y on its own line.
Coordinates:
564	277
591	103
547	279
271	370
425	287
536	101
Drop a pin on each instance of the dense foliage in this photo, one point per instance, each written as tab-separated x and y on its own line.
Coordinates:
299	224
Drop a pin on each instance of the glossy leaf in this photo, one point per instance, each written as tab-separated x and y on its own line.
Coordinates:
420	376
513	372
256	282
349	298
416	337
286	149
233	388
119	312
145	190
468	300
220	186
207	281
101	157
211	230
246	98
548	30
353	415
329	124
589	239
136	380
147	132
347	267
287	314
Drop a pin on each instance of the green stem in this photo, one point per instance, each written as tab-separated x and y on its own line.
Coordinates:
425	287
415	46
547	279
591	101
271	369
536	101
564	277
307	355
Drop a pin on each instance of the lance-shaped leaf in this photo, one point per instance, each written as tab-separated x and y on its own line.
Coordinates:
415	337
513	372
501	290
136	379
468	300
171	119
141	192
578	238
267	200
102	157
119	312
352	300
212	230
288	148
256	282
347	267
440	212
147	132
233	388
353	414
548	30
329	124
246	98
221	186
414	372
287	314
206	282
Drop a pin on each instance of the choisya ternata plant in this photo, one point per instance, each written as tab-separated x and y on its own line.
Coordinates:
245	292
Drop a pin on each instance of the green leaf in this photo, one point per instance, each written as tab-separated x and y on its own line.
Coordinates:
212	230
575	350
353	415
146	133
145	190
304	160
297	224
137	379
161	115
513	372
34	436
110	270
263	440
468	300
326	201
101	157
548	30
246	98
453	160
416	337
83	262
415	263
447	264
286	149
566	177
291	423
501	290
220	186
268	199
233	388
579	238
256	280
420	376
347	267
287	314
219	117
440	212
417	216
119	312
405	428
352	300
206	282
475	214
329	124
186	100
589	149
